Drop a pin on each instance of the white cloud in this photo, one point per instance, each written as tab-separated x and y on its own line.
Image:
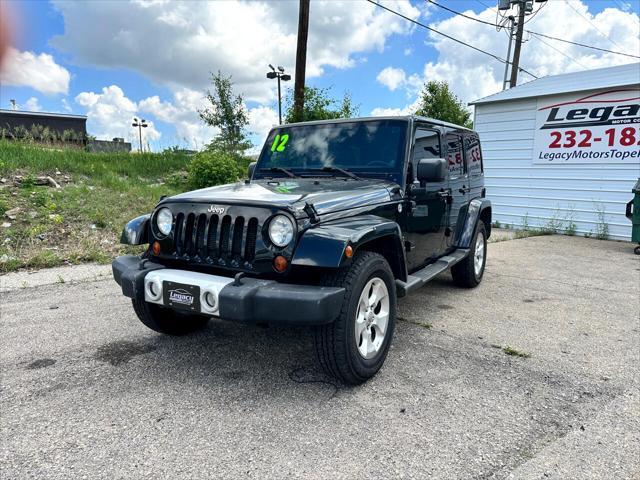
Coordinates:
65	106
40	72
392	78
409	109
110	114
177	44
472	75
261	120
182	113
32	105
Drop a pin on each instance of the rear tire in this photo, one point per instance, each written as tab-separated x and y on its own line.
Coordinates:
469	272
354	347
164	320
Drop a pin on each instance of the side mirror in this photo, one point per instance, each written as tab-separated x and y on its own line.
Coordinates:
252	167
431	170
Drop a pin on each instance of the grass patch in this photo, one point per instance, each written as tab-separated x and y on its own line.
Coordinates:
515	353
82	221
531	233
426	325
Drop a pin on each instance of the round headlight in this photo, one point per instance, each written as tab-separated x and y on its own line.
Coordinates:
281	230
164	220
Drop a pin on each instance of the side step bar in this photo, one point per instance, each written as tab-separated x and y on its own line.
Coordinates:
419	278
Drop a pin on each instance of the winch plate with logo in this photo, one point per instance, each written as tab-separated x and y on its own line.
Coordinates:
181	296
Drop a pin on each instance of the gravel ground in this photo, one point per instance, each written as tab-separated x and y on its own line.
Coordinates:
88	392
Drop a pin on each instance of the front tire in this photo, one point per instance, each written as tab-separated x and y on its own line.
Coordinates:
354	347
167	321
469	272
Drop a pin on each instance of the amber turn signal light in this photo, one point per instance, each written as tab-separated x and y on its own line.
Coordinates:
155	248
280	263
348	252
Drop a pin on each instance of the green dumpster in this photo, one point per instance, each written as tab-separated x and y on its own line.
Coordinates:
633	214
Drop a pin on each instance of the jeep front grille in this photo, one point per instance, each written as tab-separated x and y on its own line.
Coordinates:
213	239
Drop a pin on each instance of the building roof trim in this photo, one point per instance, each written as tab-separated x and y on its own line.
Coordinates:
42	114
618	76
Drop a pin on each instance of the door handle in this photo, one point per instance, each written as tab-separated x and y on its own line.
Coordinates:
464	189
446	195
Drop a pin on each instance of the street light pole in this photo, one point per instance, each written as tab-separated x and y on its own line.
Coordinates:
279	103
140	124
280	75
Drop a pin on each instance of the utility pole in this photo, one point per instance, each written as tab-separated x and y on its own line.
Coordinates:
506	65
301	60
516	51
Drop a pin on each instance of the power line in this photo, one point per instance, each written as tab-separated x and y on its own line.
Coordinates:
581	44
560	52
534	33
460	14
448	36
592	24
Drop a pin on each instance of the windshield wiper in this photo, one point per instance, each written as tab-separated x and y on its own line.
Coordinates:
288	173
344	172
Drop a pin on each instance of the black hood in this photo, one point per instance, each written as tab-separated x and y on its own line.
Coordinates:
327	194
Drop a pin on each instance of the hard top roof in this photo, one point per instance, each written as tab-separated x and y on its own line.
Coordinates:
406	118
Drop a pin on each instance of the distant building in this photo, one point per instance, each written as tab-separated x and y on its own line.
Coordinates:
43	126
117	145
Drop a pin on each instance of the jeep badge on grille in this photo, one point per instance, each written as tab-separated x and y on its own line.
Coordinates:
216	210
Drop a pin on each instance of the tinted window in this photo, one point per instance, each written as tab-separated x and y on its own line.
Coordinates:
426	144
454	154
473	154
371	146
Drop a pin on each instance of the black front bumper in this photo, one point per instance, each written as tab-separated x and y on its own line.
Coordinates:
252	301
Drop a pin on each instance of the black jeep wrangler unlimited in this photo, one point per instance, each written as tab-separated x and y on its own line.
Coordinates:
337	220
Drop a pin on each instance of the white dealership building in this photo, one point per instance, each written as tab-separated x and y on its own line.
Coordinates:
563	151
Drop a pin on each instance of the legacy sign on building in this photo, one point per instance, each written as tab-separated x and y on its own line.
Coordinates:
604	126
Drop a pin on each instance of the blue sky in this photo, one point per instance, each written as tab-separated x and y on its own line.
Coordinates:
113	60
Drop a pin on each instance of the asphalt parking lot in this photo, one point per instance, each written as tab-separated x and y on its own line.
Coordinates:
88	392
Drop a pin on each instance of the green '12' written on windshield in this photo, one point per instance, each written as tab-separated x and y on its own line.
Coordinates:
280	142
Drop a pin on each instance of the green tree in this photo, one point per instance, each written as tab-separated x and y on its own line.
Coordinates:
437	101
318	105
227	113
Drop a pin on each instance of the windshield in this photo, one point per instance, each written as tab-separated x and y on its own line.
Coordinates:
374	147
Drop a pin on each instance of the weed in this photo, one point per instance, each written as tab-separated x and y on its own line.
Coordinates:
602	227
571	227
60	279
426	325
28	182
531	233
496	224
554	225
515	353
41	198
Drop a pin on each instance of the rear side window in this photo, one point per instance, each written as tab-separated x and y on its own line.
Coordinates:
426	144
454	155
473	154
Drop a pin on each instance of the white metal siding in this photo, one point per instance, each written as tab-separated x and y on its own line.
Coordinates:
520	189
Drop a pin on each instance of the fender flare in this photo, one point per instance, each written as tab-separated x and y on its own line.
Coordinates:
468	221
324	245
136	231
